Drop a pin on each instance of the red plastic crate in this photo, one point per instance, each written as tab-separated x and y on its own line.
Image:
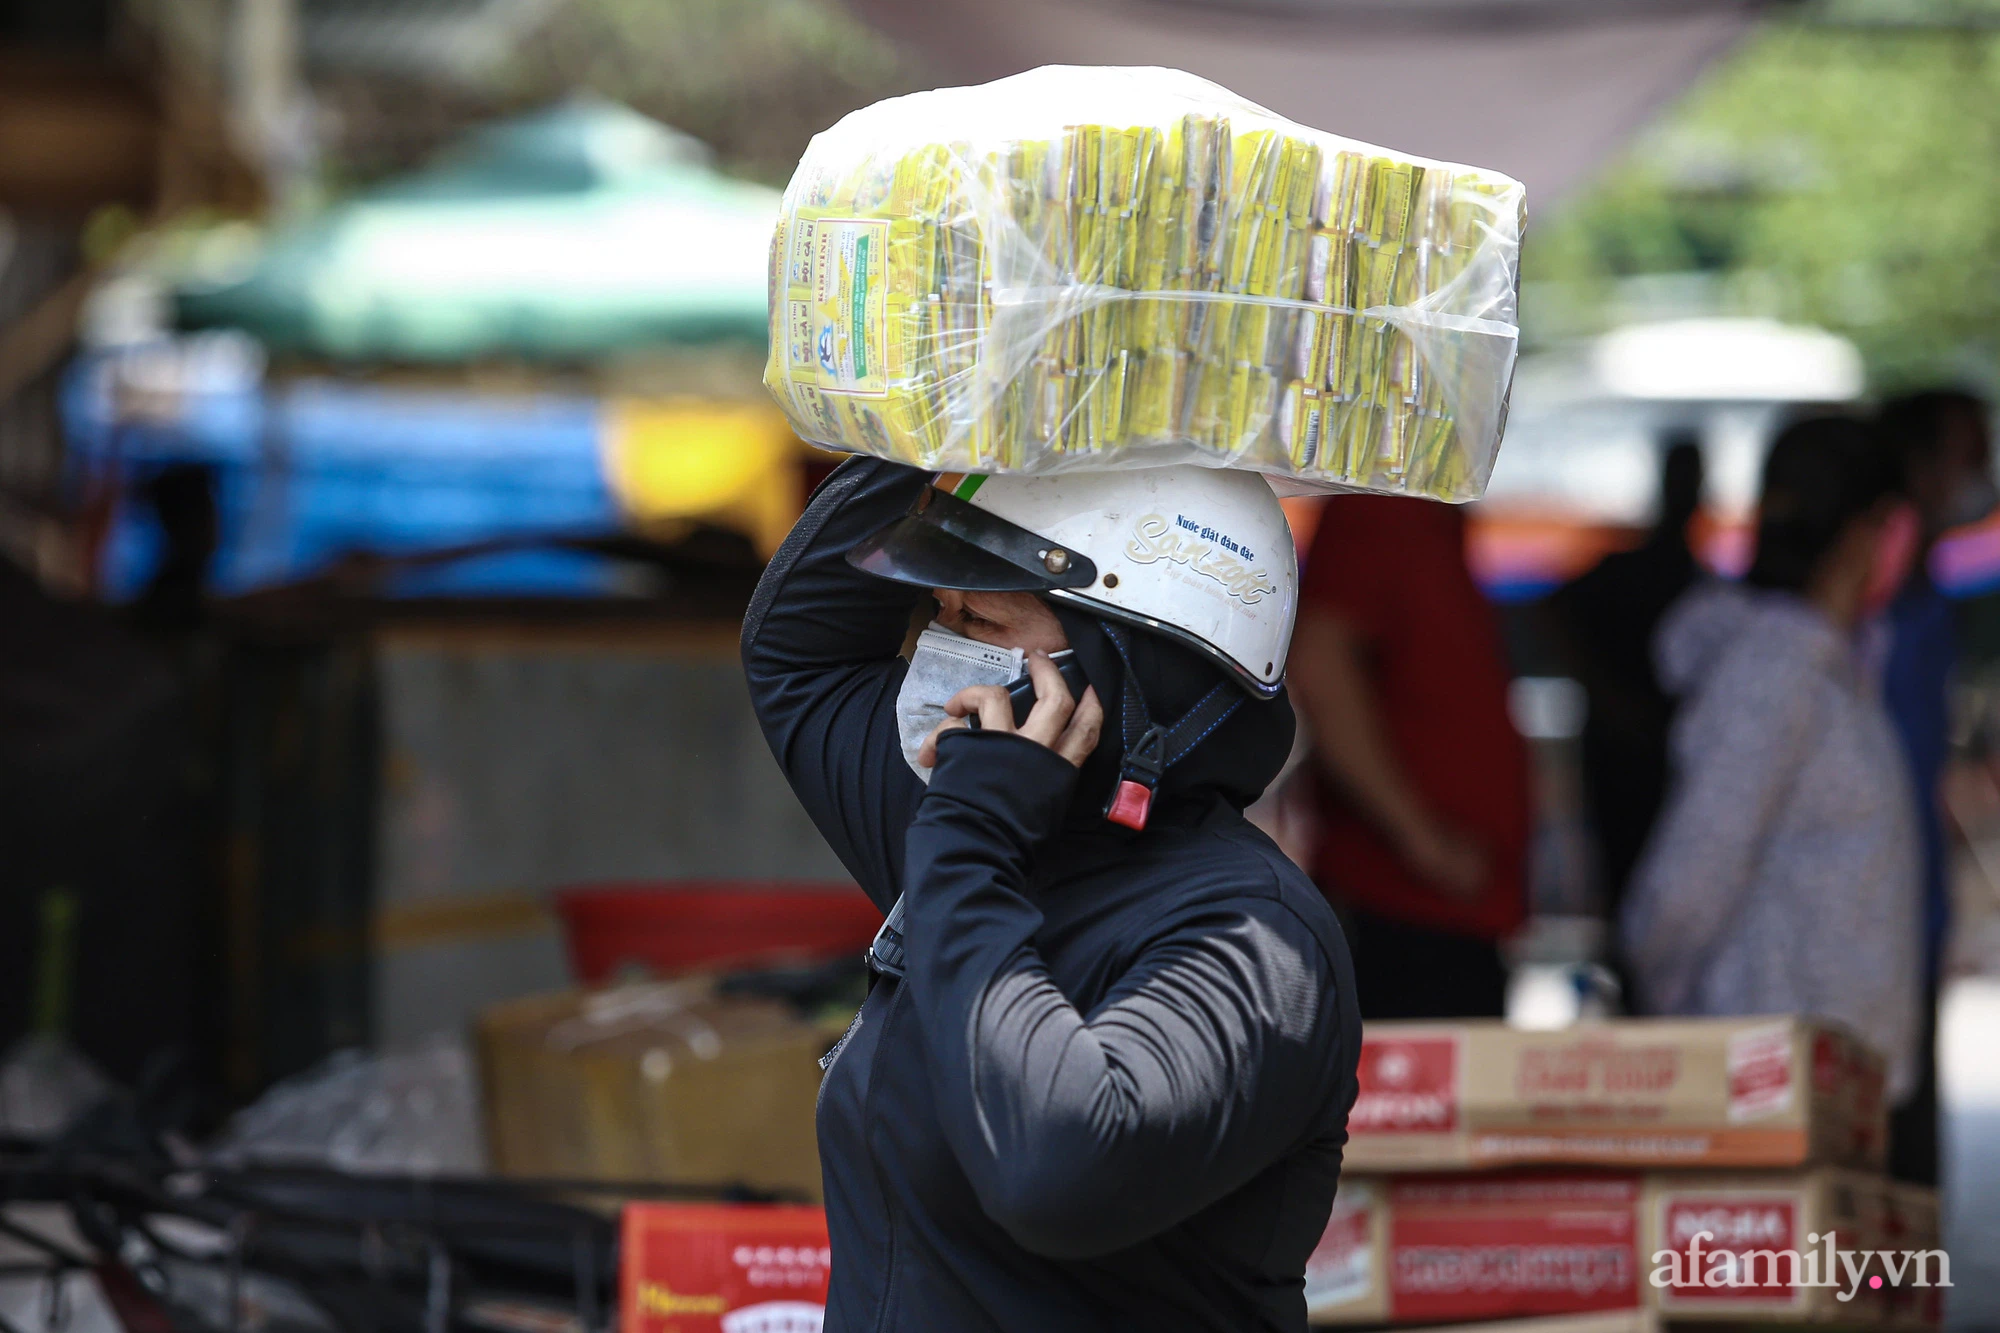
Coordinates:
682	925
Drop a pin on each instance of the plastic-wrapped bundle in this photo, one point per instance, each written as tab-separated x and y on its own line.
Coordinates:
1081	267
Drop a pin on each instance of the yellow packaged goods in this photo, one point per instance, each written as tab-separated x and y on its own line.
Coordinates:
1749	1092
664	1081
1078	267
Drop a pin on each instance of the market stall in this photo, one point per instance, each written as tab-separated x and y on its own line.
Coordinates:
488	476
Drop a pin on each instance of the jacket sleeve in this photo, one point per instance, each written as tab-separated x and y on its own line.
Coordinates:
1738	750
820	645
1083	1134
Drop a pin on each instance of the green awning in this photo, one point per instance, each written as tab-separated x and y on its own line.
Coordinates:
578	231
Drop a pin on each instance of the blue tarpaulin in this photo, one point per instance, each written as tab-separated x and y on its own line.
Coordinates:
311	471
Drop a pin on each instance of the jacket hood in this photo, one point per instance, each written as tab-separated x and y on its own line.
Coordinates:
1234	763
1716	618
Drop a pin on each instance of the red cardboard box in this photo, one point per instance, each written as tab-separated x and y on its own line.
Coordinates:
722	1268
1433	1248
1634	1093
1823	1246
1911	1225
1599	1321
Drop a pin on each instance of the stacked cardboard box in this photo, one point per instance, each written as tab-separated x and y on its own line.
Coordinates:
1799	1247
1424	1249
1640	1093
1577	1209
722	1268
660	1081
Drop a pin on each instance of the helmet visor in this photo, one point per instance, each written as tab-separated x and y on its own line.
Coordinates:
945	542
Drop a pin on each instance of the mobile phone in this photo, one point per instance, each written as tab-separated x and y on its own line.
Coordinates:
1022	691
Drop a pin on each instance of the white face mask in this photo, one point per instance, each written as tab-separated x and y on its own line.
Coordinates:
944	663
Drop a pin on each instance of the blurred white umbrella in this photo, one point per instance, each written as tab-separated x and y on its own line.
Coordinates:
1584	434
1728	360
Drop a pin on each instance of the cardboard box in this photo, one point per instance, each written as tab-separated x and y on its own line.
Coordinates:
1911	1223
1746	1248
1600	1321
722	1268
663	1081
1787	1248
1346	1274
1423	1249
1641	1093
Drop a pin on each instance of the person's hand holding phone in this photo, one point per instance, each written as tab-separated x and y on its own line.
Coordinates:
1068	725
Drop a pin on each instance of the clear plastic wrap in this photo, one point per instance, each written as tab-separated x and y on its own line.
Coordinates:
1082	267
416	1111
45	1084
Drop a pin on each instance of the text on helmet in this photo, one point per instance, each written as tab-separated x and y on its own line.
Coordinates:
1202	549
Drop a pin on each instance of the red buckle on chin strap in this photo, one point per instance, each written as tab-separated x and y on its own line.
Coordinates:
1130	804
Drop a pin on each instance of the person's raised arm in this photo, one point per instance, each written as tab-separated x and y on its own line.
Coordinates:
1085	1133
1328	676
819	650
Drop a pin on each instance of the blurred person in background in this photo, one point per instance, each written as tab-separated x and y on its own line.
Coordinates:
1941	439
1783	875
182	497
1606	619
1399	667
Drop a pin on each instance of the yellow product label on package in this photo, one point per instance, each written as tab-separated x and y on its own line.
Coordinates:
799	330
850	289
816	416
799	252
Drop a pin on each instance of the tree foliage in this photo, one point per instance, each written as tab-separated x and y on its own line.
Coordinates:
1842	176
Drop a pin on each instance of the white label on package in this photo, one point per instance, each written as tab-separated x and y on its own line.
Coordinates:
1760	1072
850	296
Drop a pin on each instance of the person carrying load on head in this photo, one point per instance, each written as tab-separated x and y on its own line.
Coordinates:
1102	1078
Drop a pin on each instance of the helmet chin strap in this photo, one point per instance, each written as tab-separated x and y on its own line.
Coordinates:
1150	747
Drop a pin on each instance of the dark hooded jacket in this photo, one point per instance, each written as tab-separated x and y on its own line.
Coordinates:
1111	1089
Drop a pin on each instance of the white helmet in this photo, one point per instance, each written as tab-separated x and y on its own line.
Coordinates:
1203	555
